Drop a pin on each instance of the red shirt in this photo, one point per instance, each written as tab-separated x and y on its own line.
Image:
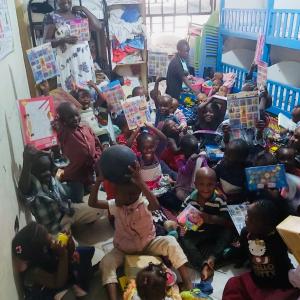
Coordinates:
122	140
82	148
170	158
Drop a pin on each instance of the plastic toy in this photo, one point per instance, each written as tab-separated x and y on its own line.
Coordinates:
194	294
171	228
62	238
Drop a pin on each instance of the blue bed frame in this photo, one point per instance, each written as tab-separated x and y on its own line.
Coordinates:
281	28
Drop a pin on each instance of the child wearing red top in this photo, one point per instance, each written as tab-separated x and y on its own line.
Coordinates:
80	145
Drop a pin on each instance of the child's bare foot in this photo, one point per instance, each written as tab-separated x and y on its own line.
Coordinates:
207	270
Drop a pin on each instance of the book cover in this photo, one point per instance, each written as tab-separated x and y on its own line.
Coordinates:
214	152
243	109
42	62
36	116
238	215
136	112
114	95
262	73
80	28
158	63
190	218
272	176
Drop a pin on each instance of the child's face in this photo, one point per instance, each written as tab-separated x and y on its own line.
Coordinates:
42	170
165	105
208	114
71	117
296	115
148	150
172	128
295	139
85	99
201	97
218	76
223	91
139	92
205	185
254	225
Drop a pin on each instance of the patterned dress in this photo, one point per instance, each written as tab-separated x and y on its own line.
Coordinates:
75	63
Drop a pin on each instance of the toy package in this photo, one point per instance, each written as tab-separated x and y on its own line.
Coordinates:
213	152
80	28
36	116
42	62
158	63
289	230
243	109
262	73
190	218
266	177
238	214
136	112
114	95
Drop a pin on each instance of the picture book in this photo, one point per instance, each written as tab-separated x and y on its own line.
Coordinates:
272	176
238	215
214	152
190	218
36	116
158	63
80	28
259	47
136	112
262	74
243	109
60	95
289	230
114	95
42	62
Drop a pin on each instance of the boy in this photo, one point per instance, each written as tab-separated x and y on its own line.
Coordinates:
80	145
47	198
134	229
213	237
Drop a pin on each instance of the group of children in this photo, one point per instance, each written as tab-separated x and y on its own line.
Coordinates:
151	176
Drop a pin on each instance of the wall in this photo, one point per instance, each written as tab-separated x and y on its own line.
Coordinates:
13	84
246	4
286	4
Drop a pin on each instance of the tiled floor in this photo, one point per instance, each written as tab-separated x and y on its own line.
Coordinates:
100	235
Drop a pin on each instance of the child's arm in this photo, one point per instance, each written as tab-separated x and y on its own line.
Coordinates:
156	131
132	137
137	179
93	199
155	96
189	166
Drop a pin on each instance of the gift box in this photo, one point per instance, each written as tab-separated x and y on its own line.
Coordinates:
135	263
289	230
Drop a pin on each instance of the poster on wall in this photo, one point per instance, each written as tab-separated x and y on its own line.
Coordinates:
6	34
36	116
158	64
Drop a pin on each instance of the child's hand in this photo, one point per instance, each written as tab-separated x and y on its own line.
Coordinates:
226	129
207	270
91	84
136	177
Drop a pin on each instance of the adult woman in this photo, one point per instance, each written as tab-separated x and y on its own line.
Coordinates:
73	57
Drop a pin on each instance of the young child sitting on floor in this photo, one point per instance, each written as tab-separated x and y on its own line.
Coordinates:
127	136
138	91
269	261
164	111
156	174
152	284
49	269
88	117
179	115
134	229
80	145
48	199
209	242
231	170
189	146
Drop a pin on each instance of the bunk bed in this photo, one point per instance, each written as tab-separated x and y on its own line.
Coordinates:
280	27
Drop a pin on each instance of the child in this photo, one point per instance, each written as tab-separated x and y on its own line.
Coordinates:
286	156
48	199
179	115
151	284
127	137
80	145
295	140
49	269
213	237
186	166
88	117
138	91
296	115
164	111
231	169
268	256
156	174
134	229
201	97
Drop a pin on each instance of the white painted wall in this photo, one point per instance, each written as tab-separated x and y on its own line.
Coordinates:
12	84
246	4
287	4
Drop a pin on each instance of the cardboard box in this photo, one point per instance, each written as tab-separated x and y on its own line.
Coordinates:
289	230
135	263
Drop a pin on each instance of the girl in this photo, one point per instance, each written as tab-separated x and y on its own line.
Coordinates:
48	268
268	256
152	284
134	229
186	166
